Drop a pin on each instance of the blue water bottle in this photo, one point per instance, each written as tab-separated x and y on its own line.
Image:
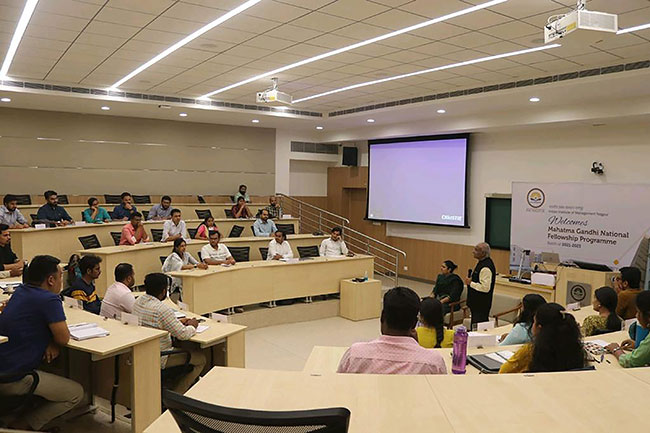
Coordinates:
459	354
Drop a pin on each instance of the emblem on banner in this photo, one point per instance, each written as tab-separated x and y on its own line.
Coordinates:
535	198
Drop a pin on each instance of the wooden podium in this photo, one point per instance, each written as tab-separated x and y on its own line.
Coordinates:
578	285
360	301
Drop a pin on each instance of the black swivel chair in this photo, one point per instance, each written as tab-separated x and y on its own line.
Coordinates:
310	251
264	252
253	230
23	199
116	237
156	235
111	214
199	417
192	233
203	213
112	199
162	259
141	199
229	213
145	214
15	404
63	199
287	229
89	242
236	231
240	254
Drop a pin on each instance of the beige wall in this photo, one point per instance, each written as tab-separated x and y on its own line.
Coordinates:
108	154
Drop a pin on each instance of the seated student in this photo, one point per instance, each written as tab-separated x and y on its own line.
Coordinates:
264	226
274	208
10	215
556	344
95	214
175	228
240	210
605	300
449	286
162	211
627	285
215	253
126	209
279	248
34	321
180	260
204	229
83	288
334	246
51	212
9	261
119	297
432	332
133	232
522	331
396	351
242	193
156	314
640	356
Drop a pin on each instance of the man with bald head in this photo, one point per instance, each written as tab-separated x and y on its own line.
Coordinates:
480	286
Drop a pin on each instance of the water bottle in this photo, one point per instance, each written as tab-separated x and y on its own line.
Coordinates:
459	354
365	276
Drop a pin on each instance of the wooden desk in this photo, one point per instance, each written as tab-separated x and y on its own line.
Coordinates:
578	285
519	290
62	242
221	287
257	242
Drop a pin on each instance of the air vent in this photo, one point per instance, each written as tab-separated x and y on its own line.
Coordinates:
307	147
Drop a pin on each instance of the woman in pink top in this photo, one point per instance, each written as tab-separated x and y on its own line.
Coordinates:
207	226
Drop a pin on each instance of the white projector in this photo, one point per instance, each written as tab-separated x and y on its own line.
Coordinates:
580	20
274	96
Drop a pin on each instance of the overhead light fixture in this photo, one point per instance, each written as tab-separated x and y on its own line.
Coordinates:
370	120
183	114
319	128
633	29
5	99
441	111
534	99
358	45
255	121
30	5
427	71
186	40
106	108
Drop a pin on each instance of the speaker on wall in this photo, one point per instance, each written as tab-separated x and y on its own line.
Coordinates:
350	156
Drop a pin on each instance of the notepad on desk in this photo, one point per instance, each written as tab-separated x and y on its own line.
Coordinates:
86	331
201	328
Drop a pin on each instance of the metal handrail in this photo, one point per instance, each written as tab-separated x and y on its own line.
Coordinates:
304	203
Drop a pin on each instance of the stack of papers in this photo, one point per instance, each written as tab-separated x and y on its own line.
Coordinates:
201	328
86	331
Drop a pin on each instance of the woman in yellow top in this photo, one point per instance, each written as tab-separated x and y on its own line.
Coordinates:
556	345
604	303
432	332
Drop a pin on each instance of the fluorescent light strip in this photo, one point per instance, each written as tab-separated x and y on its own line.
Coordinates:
18	35
187	40
358	45
426	71
633	29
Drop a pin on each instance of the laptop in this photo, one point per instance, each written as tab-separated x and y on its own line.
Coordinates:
490	362
592	266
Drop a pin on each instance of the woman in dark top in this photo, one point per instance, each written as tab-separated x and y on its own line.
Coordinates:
449	286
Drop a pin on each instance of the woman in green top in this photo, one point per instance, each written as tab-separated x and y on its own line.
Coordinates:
95	214
431	331
604	303
639	357
449	286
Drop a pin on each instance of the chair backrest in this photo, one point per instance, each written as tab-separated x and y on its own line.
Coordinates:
112	199
111	214
200	256
62	199
90	241
253	230
16	404
192	232
232	198
287	229
200	198
116	237
145	214
141	199
23	199
310	251
229	213
202	213
162	260
33	216
235	231
156	234
199	417
240	254
264	252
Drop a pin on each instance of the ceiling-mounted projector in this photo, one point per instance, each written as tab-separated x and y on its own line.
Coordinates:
580	20
273	96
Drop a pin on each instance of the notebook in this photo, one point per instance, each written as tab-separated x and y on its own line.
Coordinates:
490	362
86	331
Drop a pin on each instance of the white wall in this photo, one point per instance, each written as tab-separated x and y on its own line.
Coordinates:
309	178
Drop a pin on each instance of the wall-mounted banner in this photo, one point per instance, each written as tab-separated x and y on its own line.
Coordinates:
606	224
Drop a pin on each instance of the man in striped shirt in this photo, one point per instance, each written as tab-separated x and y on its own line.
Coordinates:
156	314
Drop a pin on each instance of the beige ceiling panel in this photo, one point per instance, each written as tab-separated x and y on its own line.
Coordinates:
598	59
81	51
631	19
434	9
210	46
151	48
175	29
540	20
99	78
322	22
24	61
250	24
465	82
535	58
375	50
153	7
378	63
361	31
395	19
522	9
227	35
492	77
111	29
228	59
28	72
439	31
269	43
249	52
194	12
633	53
188	54
620	41
72	8
355	69
617	6
464	55
305	50
513	30
405	41
123	16
524	72
466	71
74	75
46	53
499	48
497	65
472	40
100	40
293	33
308	4
357	10
51	33
480	20
569	50
11	13
432	62
165	69
45	19
326	65
437	49
350	57
277	11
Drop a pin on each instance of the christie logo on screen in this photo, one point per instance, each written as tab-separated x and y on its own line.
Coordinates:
535	198
452	217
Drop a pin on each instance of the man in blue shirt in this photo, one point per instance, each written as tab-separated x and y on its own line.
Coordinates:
124	210
34	321
264	226
51	212
83	288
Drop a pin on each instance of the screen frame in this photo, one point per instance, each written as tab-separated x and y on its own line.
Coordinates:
467	136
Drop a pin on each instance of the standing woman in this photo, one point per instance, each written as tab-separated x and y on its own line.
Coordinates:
180	260
207	226
449	286
604	303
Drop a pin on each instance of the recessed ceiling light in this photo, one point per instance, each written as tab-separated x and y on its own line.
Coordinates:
358	45
106	108
5	99
183	114
633	29
370	120
534	99
186	40
427	71
441	111
30	5
255	121
319	127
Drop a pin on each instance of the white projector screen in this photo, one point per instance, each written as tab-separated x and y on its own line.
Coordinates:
420	180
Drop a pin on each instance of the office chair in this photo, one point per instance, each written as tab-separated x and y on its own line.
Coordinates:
310	251
192	232
287	229
141	199
162	259
112	199
63	199
253	230
15	404
90	241
156	235
145	214
23	199
240	254
229	213
116	237
235	231
199	417
203	213
264	252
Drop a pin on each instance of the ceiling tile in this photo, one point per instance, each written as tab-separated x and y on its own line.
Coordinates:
322	22
357	10
395	19
123	16
480	20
